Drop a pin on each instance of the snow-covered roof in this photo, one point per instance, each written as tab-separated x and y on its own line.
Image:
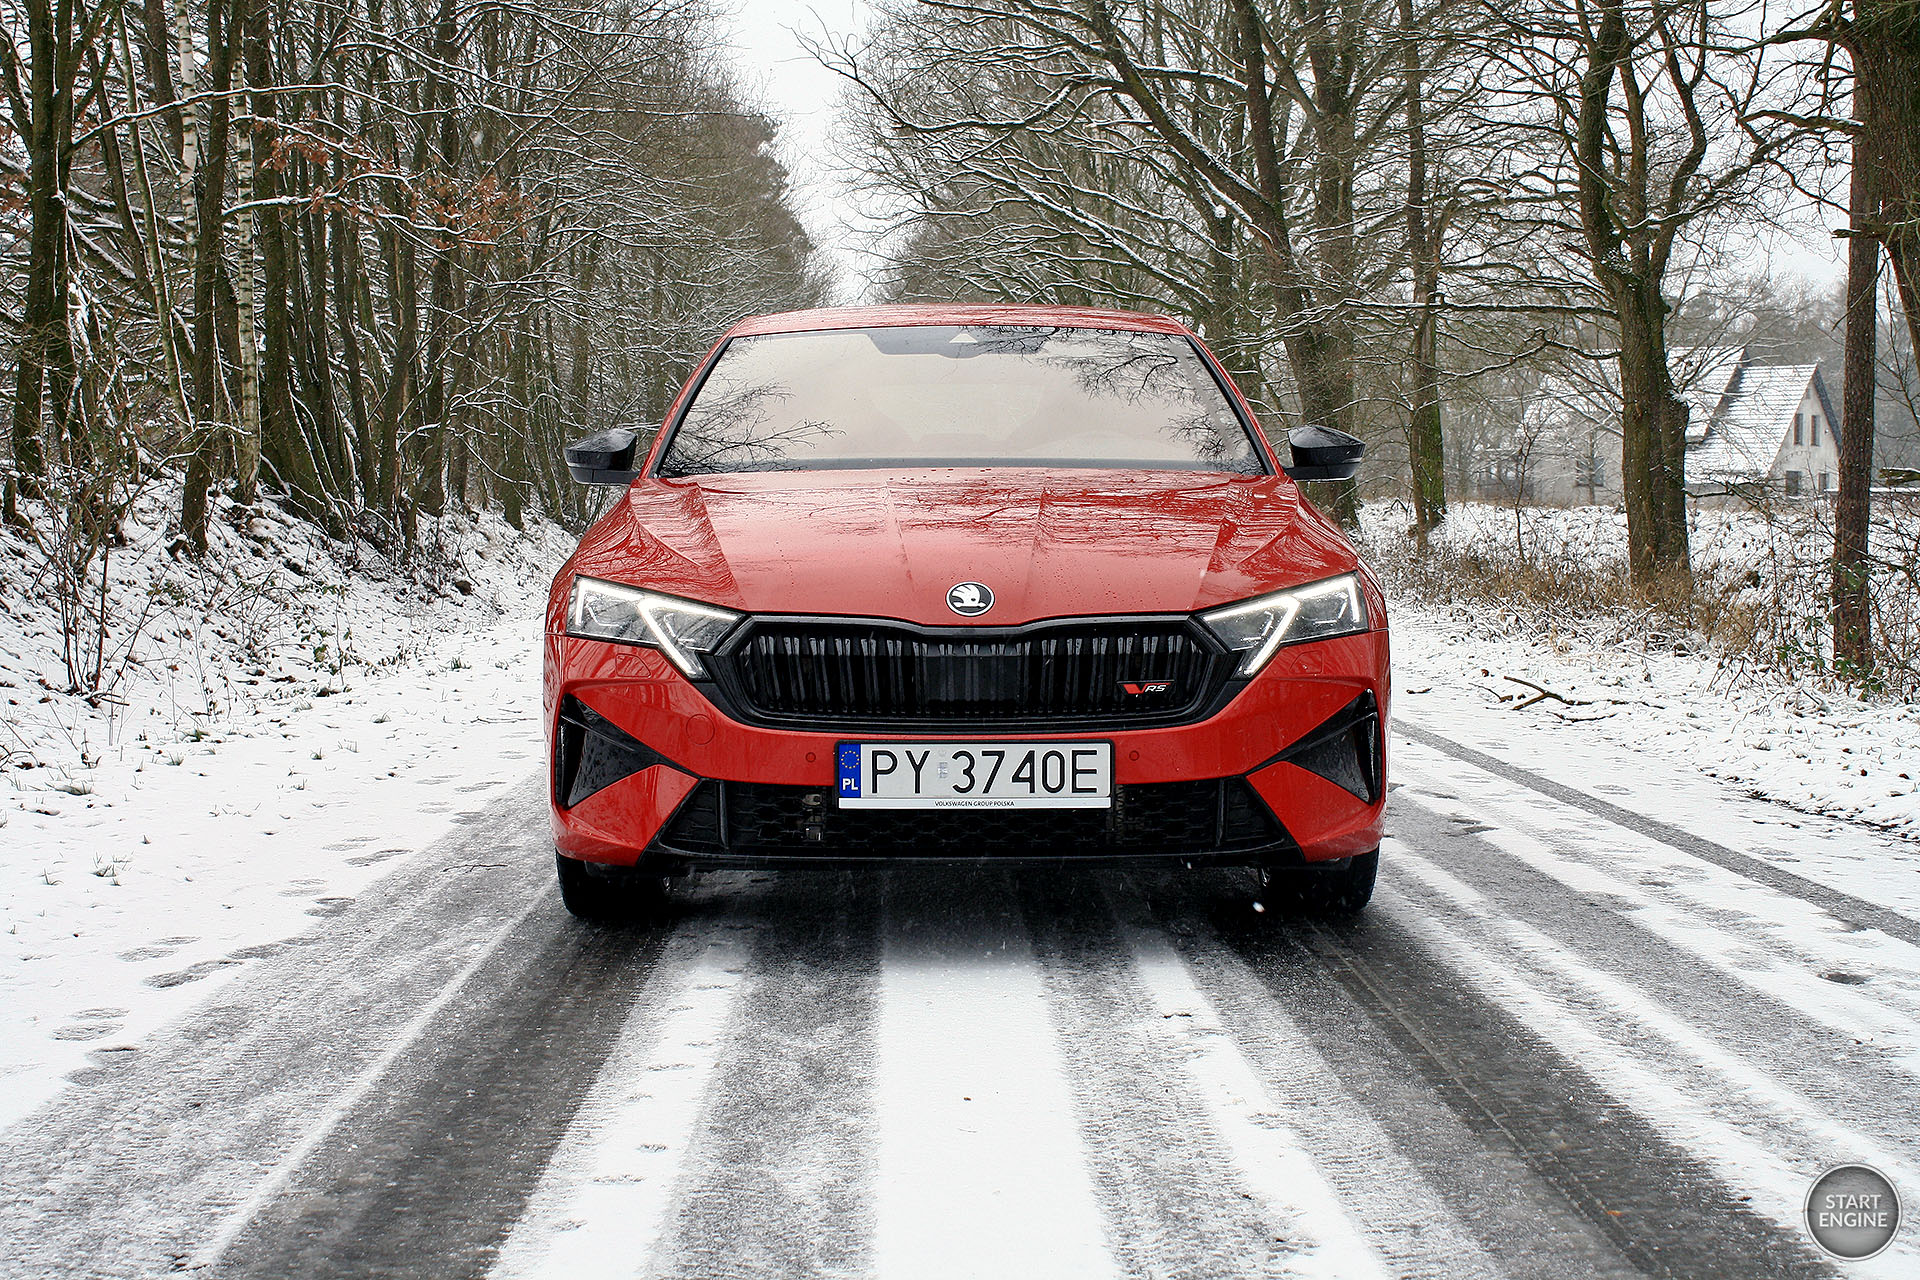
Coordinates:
1738	414
1744	435
1701	378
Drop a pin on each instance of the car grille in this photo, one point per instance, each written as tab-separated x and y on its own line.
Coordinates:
1217	815
1112	673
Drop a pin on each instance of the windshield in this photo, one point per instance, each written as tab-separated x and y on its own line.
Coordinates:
970	395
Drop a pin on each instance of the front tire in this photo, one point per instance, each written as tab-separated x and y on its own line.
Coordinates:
1322	893
608	894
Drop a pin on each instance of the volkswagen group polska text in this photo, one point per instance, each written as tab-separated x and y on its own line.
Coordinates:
1007	584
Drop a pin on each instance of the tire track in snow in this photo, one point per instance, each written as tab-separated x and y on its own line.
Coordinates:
1714	1082
138	1166
1842	906
1174	1203
779	1179
1759	1135
1771	943
1194	981
1694	1014
607	1195
436	1153
1379	1113
1741	1156
1511	1081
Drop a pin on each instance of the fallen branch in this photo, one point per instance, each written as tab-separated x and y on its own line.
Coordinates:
1541	693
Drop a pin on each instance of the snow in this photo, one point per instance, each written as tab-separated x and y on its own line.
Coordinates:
1747	1151
1645	685
240	786
1275	1166
344	1103
1744	437
1737	1105
981	1167
605	1199
1701	376
242	781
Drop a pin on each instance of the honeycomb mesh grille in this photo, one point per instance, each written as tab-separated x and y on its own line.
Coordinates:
1212	816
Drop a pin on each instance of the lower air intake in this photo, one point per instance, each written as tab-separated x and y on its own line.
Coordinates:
1220	815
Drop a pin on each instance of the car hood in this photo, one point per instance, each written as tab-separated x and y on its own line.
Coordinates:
1048	543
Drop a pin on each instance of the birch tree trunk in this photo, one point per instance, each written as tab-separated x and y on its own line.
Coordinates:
247	438
203	177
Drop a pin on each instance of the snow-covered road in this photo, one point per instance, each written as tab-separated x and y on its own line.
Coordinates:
1575	1036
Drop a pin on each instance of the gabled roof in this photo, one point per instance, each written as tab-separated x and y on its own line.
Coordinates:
1745	434
1702	377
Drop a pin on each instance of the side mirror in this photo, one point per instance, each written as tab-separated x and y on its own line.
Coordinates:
1321	453
604	459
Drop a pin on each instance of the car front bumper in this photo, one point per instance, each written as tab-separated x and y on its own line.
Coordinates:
645	768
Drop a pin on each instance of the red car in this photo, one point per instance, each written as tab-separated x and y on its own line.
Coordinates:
979	584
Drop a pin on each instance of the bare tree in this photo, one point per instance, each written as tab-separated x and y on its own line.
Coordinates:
61	38
1636	123
1257	121
1425	447
1881	40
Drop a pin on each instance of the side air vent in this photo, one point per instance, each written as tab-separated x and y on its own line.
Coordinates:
590	752
1345	749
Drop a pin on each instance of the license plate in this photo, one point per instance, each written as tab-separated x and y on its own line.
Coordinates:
976	775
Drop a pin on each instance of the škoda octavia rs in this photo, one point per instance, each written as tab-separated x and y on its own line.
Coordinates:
997	584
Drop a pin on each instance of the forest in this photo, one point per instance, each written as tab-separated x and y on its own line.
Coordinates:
1393	217
383	257
378	258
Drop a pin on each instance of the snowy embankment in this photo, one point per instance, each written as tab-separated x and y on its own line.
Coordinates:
293	714
1465	658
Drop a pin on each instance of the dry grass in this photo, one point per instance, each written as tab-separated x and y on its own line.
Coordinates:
1757	601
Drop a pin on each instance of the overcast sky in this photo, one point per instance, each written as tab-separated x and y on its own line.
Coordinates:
800	93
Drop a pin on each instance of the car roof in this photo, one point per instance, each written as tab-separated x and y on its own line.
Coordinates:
947	314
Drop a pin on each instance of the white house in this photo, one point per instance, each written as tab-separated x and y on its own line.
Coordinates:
1752	429
1774	425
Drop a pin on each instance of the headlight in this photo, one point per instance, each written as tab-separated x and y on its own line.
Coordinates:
1317	611
681	629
